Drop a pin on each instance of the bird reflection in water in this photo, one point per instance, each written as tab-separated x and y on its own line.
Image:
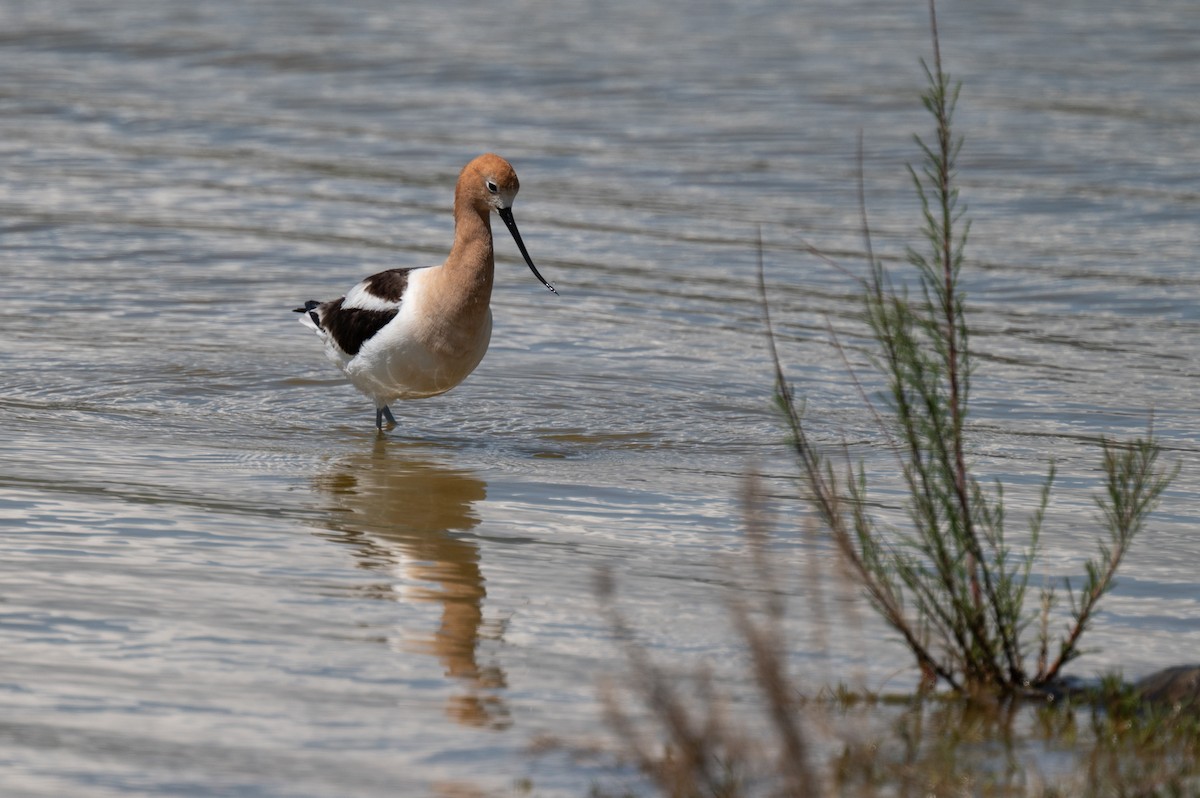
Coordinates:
404	514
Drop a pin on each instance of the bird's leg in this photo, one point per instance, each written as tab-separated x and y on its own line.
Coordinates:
382	413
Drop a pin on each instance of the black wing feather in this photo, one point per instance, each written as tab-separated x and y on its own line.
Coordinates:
351	327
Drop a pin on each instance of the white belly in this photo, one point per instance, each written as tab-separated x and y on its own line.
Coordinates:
411	359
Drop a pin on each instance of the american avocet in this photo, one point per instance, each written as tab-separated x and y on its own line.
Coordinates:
413	333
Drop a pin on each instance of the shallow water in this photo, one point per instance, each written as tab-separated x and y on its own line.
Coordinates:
218	580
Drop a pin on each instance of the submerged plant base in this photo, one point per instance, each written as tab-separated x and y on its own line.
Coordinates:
1102	740
1106	742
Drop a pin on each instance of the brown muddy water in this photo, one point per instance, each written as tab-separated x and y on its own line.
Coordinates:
217	579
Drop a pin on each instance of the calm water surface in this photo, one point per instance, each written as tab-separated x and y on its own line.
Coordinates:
216	579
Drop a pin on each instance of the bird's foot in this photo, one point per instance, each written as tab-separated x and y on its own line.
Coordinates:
383	413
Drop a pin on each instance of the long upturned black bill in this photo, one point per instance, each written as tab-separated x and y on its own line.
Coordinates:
506	215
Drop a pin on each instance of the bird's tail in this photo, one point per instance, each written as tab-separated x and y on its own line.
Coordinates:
313	319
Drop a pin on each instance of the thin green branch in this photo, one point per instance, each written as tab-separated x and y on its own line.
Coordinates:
951	585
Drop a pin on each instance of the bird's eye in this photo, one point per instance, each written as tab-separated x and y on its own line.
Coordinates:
492	187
